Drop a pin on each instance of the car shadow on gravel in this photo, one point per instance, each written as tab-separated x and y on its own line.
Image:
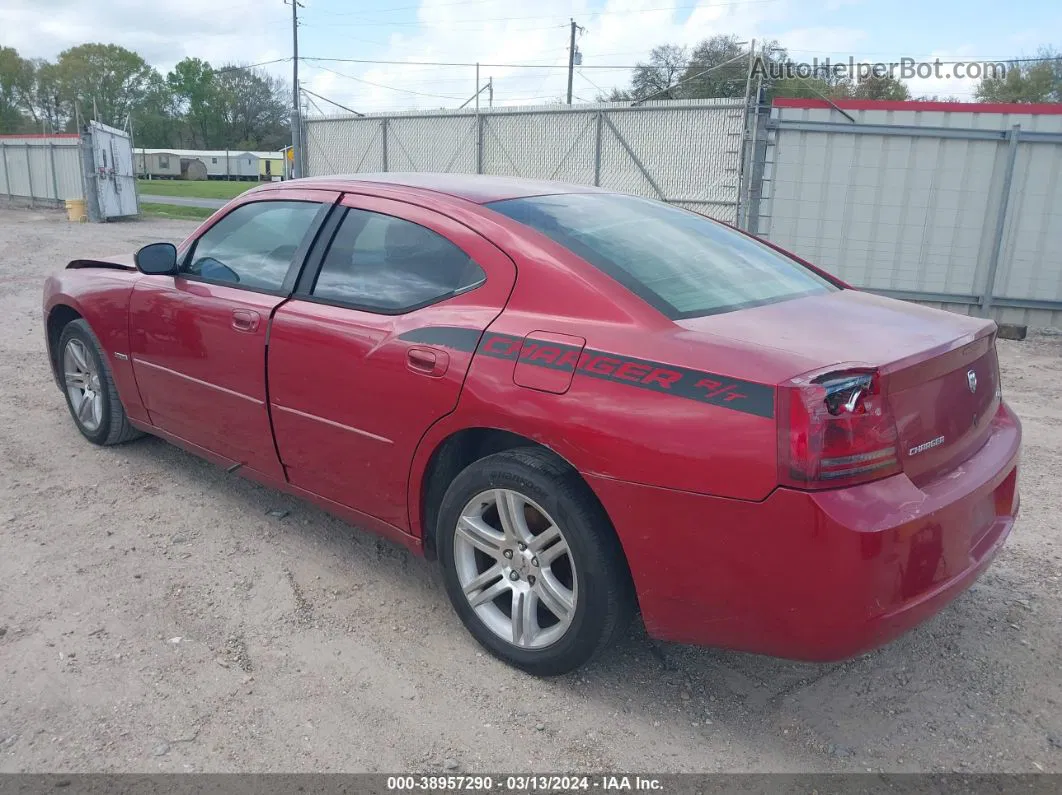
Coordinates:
937	687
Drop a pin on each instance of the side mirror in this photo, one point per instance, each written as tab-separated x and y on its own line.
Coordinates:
157	259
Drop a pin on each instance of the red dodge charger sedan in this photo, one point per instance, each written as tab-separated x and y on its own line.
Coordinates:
580	403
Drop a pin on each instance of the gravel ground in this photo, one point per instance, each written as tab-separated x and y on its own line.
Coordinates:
157	614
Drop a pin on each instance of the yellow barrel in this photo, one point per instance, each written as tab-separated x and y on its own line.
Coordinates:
75	210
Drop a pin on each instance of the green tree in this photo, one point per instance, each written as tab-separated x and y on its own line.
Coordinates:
885	87
16	80
728	60
253	107
614	95
717	67
1029	81
801	88
45	102
156	121
196	96
106	80
657	78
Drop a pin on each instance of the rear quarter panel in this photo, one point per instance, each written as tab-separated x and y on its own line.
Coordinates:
617	421
101	297
610	422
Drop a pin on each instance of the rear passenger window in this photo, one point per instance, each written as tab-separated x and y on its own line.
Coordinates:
384	264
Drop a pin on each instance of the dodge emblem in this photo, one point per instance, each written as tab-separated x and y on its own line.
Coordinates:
971	380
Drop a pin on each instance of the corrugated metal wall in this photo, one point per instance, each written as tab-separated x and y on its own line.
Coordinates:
909	203
46	168
688	153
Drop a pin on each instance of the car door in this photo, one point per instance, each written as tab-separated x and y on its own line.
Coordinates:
198	339
374	347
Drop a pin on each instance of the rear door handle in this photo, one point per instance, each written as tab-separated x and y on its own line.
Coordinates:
427	361
245	320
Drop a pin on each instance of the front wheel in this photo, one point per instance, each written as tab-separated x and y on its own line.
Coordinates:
89	388
531	563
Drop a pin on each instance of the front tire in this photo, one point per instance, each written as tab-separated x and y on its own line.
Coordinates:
89	388
531	563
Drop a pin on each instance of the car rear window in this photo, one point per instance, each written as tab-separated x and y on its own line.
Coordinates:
682	263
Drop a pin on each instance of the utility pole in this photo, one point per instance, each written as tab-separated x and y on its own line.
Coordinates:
479	126
296	101
490	91
571	61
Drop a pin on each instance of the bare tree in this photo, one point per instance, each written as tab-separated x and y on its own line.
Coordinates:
658	77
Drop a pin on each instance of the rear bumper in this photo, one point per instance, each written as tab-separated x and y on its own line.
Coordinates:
815	575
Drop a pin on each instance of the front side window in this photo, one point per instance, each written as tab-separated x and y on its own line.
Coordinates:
388	265
683	264
254	245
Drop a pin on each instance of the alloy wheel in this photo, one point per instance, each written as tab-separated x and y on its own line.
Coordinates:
515	568
82	380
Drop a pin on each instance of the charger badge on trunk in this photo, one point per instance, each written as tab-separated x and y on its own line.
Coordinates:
971	380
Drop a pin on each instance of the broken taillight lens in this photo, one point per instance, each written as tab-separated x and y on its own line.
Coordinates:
835	430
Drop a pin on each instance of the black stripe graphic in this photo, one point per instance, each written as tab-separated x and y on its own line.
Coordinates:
699	385
455	337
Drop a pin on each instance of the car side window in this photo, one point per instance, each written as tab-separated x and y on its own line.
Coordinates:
253	246
380	263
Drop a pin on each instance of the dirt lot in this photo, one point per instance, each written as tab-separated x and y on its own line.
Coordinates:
156	616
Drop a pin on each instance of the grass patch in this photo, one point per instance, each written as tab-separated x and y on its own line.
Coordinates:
149	210
203	189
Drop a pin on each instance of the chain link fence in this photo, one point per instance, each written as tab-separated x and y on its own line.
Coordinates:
687	153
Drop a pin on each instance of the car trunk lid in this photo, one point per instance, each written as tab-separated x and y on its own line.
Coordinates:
943	403
938	369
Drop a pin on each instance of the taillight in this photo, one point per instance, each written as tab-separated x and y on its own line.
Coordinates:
835	430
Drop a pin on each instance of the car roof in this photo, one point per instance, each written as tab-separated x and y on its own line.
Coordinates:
476	188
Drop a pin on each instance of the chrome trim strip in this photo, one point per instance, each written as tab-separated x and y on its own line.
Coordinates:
145	363
333	423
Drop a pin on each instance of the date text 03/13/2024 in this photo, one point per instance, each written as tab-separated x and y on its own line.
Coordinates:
523	783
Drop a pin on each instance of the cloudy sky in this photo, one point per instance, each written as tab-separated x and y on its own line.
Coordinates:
525	43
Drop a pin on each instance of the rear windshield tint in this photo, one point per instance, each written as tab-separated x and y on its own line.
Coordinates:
682	263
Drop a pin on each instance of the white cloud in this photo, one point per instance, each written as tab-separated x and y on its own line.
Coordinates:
618	33
163	32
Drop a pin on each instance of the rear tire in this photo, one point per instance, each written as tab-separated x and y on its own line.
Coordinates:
531	563
89	387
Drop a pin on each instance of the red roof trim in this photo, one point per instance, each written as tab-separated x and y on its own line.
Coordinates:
43	135
954	107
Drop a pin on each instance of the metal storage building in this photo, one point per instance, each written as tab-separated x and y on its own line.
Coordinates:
46	167
948	203
96	166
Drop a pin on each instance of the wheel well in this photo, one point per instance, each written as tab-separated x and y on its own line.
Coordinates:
58	319
459	451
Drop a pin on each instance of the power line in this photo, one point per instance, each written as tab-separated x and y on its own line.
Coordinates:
613	67
224	69
699	6
389	88
472	64
407	91
591	82
329	101
400	8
